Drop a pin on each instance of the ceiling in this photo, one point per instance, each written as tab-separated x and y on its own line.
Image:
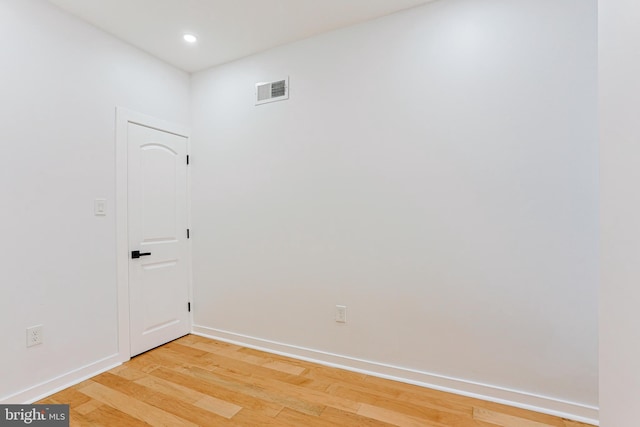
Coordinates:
226	29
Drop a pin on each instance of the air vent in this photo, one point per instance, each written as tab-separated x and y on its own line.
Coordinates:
272	91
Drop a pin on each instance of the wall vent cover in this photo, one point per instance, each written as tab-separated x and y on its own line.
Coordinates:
272	91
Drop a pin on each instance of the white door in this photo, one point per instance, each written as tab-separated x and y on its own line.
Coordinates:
157	221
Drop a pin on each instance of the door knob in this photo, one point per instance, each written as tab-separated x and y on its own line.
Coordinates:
137	254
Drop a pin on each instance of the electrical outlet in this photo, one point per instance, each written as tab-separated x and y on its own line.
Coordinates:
34	335
341	313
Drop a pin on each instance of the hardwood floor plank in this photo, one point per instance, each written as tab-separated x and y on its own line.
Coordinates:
409	389
107	416
505	420
522	413
170	403
325	372
241	367
217	406
89	406
408	398
133	407
174	357
265	367
292	417
392	417
227	350
76	419
201	400
267	408
297	393
284	367
437	416
128	372
211	345
167	387
337	417
70	396
233	353
247	385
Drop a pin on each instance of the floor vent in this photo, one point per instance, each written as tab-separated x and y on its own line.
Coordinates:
272	91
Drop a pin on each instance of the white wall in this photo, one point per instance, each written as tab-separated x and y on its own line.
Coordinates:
60	82
619	68
436	172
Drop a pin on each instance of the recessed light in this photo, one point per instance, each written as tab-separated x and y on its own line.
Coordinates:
190	38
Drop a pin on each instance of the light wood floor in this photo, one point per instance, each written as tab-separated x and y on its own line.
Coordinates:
195	381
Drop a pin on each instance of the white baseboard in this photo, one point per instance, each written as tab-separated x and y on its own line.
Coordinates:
519	399
54	385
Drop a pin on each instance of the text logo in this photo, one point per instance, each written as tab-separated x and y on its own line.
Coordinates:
34	415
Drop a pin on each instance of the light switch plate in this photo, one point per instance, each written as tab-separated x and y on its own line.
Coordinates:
100	207
341	313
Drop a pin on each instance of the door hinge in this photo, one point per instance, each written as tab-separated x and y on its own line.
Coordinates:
188	234
187	159
189	307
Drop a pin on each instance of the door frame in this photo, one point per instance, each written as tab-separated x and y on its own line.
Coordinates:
125	116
